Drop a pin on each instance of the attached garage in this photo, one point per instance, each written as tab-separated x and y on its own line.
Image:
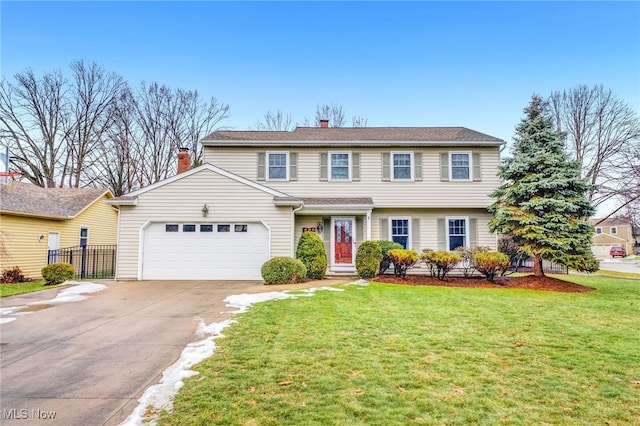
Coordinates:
204	251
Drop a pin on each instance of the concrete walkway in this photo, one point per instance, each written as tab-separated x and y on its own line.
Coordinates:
88	362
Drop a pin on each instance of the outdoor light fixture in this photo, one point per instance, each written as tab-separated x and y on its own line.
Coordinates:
319	228
205	211
41	237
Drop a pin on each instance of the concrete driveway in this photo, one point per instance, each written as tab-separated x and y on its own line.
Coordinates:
88	362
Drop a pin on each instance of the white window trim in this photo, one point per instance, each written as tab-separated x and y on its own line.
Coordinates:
80	235
411	166
330	166
466	230
409	230
614	230
598	231
470	156
267	166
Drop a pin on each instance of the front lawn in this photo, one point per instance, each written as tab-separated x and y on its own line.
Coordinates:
14	289
396	355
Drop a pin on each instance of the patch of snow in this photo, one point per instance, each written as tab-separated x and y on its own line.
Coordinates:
74	293
160	396
361	282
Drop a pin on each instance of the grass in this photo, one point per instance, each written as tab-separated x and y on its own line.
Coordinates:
22	288
616	274
402	355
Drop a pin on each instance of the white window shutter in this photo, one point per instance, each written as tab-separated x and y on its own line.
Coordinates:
262	165
442	235
386	166
293	166
384	229
477	169
444	166
355	166
417	167
324	166
415	234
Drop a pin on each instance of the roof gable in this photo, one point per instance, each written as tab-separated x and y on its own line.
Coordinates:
131	197
61	203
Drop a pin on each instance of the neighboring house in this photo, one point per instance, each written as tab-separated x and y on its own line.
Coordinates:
258	191
34	220
612	232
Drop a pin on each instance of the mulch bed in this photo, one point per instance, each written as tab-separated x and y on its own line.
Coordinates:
528	282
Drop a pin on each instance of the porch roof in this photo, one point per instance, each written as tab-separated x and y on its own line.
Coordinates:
323	205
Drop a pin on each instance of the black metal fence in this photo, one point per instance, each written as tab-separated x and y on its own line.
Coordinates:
526	265
88	261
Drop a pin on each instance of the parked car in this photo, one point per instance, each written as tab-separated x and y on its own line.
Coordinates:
618	251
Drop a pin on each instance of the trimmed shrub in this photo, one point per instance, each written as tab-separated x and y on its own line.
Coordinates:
440	262
386	261
311	253
13	275
368	257
490	263
283	270
57	273
402	260
466	253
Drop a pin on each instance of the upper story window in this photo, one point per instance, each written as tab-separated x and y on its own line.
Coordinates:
84	236
278	165
340	165
460	165
598	230
614	230
402	165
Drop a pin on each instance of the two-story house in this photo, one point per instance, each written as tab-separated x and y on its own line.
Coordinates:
258	191
612	232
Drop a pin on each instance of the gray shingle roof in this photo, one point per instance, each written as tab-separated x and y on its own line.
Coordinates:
330	201
421	135
30	199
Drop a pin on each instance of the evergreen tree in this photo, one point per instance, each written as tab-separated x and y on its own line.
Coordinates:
542	203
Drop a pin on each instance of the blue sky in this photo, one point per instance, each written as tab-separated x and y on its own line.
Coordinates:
473	64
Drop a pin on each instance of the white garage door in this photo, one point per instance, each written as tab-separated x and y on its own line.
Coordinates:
601	251
212	251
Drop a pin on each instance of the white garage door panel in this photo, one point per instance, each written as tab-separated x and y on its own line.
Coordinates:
204	255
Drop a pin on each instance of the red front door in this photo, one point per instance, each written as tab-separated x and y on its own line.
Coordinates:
343	241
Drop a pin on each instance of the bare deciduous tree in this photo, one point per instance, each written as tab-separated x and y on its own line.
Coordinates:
601	132
92	104
34	118
334	113
275	121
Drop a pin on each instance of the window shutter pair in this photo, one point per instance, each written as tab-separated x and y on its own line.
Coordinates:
262	166
415	232
324	166
387	168
475	167
472	234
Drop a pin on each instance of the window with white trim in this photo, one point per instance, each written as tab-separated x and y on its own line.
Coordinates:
457	232
84	236
460	166
277	165
402	165
400	231
614	230
598	230
339	166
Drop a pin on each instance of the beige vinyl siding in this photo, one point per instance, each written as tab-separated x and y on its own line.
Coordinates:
24	249
430	192
181	201
428	236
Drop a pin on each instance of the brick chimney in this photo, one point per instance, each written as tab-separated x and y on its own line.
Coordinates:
324	124
184	160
